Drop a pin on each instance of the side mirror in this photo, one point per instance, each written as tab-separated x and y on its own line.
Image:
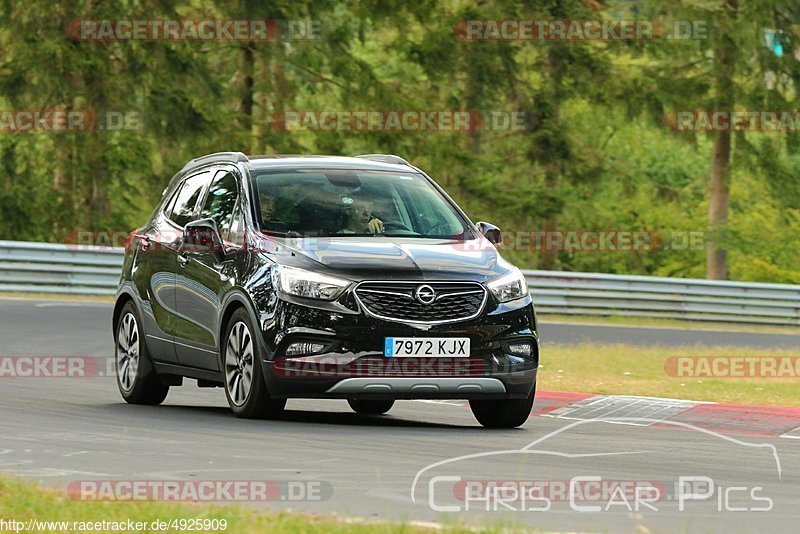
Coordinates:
491	232
203	237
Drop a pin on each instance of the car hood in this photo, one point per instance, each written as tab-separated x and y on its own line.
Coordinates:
401	258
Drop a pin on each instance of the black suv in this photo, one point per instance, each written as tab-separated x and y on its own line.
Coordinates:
357	278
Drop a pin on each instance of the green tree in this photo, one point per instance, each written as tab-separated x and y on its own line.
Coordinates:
725	67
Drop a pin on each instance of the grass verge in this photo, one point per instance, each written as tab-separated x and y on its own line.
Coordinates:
22	500
629	370
622	320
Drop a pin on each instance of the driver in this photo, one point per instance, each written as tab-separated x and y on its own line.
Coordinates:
358	217
267	207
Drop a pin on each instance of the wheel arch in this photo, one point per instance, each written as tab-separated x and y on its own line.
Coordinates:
125	296
235	300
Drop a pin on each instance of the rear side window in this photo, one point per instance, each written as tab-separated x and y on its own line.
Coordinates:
221	201
185	202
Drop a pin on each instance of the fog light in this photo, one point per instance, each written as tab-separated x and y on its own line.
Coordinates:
304	347
522	348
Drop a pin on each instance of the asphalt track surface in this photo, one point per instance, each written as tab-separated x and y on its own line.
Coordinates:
73	429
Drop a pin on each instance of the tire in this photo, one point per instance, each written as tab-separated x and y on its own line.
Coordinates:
505	413
137	379
245	387
370	407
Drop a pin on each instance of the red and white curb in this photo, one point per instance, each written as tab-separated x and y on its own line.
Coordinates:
771	421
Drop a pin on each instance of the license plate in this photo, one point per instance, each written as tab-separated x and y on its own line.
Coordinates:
427	347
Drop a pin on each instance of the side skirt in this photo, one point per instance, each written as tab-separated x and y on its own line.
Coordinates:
204	375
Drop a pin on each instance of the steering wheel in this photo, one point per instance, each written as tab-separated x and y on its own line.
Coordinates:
395	225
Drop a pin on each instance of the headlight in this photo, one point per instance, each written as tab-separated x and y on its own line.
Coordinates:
307	284
509	287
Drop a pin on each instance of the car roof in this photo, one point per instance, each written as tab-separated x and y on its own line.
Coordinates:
257	163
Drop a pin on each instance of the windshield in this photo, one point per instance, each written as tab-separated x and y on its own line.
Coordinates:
325	203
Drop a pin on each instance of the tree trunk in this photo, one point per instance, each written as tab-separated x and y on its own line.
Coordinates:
475	142
718	192
719	180
552	164
550	257
248	68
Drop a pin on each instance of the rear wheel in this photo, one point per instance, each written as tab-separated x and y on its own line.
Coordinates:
245	386
137	380
505	413
370	407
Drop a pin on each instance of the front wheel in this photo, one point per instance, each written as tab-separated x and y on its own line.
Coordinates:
504	413
370	407
245	386
137	379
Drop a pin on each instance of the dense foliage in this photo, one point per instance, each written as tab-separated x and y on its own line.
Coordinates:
594	155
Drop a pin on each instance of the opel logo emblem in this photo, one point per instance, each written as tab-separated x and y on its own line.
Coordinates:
425	294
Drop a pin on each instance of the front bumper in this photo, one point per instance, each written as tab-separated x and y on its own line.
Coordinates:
352	364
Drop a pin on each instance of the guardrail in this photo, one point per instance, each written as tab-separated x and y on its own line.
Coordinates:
54	268
675	298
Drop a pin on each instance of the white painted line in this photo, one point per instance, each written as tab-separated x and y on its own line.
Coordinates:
70	455
445	402
627	423
667	399
55	301
44	472
12	463
70	304
426	525
792	434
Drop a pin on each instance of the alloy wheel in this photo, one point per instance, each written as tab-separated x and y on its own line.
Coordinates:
127	351
239	363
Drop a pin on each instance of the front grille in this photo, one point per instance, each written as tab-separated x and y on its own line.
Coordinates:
453	301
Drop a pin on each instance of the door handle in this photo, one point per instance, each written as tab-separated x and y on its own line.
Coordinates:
183	260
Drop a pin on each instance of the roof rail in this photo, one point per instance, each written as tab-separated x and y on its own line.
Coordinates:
385	158
217	157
